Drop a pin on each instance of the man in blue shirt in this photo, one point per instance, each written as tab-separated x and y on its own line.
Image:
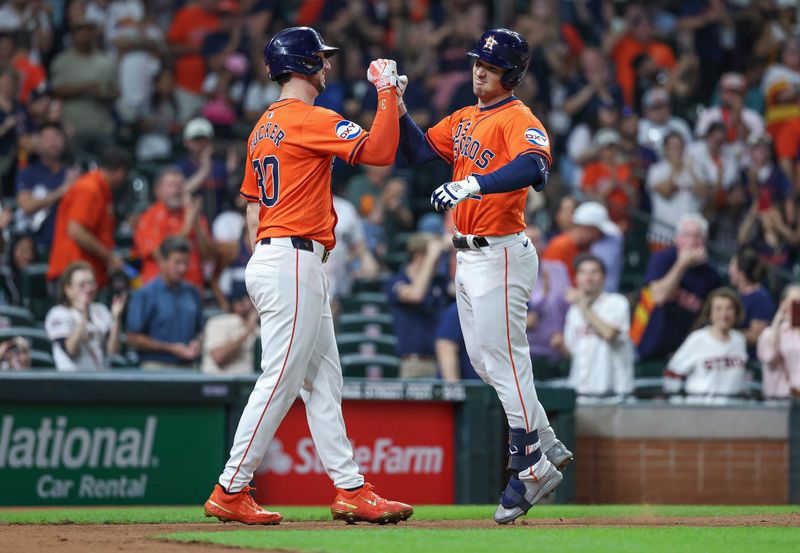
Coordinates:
165	317
417	296
198	137
42	184
677	282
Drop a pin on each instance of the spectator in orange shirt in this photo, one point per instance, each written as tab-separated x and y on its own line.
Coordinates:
590	224
31	74
636	39
609	179
185	36
85	220
175	213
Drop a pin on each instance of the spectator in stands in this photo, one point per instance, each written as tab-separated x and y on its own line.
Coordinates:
30	17
12	127
636	39
740	122
772	232
159	123
765	182
713	165
175	213
85	79
779	348
417	296
592	88
561	218
85	220
581	148
192	23
676	283
451	351
21	253
781	88
707	20
674	190
83	331
198	137
42	184
165	316
657	121
608	179
228	347
15	354
351	258
590	224
711	361
640	157
596	334
746	273
32	74
547	306
382	201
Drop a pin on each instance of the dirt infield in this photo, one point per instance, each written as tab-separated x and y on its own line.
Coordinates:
137	538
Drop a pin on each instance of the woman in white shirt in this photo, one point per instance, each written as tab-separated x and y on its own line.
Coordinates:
82	331
711	361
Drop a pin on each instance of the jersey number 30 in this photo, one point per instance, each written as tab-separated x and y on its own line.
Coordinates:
269	179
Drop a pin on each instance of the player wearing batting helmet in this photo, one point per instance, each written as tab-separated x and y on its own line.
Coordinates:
290	219
498	150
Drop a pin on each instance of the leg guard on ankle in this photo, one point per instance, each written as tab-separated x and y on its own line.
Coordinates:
518	442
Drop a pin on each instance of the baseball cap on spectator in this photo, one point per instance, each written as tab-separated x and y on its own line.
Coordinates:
594	214
41	91
199	127
733	81
756	138
655	97
606	137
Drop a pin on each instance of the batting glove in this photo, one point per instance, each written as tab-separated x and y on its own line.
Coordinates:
448	195
382	73
402	83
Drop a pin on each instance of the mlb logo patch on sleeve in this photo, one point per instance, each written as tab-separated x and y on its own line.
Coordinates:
347	130
537	137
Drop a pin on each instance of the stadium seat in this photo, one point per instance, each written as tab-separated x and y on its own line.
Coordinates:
370	285
365	303
364	344
395	260
42	360
17	316
370	366
33	288
652	368
36	336
372	325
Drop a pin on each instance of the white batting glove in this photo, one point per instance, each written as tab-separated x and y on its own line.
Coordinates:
402	83
382	73
448	195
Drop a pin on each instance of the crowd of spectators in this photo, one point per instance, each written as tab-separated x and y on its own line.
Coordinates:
675	129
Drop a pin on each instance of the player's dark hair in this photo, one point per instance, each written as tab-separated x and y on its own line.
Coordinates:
283	79
115	158
588	258
724	292
750	265
66	279
174	244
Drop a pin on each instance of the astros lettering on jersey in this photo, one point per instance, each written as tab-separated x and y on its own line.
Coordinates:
474	148
290	157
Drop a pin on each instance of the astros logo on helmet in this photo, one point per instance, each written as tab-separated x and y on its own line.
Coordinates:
505	49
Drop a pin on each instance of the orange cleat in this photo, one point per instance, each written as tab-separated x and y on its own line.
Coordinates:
365	505
240	507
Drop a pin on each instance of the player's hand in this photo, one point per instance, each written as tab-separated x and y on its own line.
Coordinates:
402	83
450	194
382	73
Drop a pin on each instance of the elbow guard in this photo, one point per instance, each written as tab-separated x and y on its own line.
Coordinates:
543	172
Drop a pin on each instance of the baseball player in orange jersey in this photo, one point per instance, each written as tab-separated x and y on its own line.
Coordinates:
291	219
497	148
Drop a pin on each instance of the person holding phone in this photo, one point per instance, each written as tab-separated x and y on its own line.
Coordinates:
779	348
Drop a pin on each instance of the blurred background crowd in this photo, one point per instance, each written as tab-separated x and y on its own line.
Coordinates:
668	234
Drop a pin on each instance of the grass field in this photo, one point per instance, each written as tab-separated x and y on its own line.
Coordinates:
464	529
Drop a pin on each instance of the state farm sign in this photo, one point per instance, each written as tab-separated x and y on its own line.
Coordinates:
404	448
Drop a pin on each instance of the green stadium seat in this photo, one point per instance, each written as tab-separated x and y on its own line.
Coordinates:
364	344
396	260
33	288
37	336
365	303
42	360
17	316
370	366
373	325
370	285
652	368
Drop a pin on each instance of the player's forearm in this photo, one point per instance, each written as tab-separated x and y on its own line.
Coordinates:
526	170
381	145
253	210
413	144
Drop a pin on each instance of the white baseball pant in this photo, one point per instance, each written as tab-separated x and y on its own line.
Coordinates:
493	285
299	355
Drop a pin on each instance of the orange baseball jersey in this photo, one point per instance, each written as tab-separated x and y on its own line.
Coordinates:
477	141
289	160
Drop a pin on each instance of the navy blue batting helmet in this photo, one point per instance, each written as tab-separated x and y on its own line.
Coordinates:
506	49
294	50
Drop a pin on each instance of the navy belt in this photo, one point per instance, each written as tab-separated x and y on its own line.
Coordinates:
461	242
300	243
